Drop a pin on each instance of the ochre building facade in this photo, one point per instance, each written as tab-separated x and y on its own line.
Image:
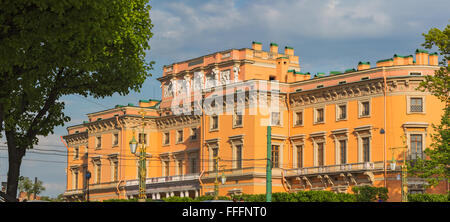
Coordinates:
328	132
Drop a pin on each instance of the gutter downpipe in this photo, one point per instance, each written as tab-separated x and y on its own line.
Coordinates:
67	168
120	151
201	152
385	130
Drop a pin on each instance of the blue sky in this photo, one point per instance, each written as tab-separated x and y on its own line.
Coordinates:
326	35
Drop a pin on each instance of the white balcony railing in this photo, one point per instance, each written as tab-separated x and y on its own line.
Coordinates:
335	168
155	180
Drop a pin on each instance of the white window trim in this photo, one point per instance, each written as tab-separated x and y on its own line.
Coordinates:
234	121
280	154
315	115
360	108
164	138
338	113
97	142
295	117
298	146
281	118
118	139
408	104
211	123
178	136
339	135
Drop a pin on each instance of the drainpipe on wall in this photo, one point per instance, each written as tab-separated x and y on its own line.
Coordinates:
67	168
120	151
385	130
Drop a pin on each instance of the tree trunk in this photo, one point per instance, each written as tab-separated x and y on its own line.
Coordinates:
15	155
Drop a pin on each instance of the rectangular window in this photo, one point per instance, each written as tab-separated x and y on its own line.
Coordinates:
214	122
343	151
76	179
166	168
180	167
98	169
115	139
299	156
215	160
342	112
319	115
366	149
299	118
99	142
365	108
275	156
193	133
239	156
115	176
143	138
416	105
180	136
77	152
193	165
320	154
275	120
416	146
166	138
237	119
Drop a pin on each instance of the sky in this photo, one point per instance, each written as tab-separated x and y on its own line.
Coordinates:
326	35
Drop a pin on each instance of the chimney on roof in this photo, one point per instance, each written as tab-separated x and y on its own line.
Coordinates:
363	65
434	59
421	57
256	46
288	50
273	47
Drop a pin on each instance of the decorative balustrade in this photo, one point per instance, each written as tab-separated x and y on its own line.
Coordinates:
155	180
335	168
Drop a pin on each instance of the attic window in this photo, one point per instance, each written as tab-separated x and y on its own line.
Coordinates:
320	86
415	73
342	82
364	78
298	90
271	78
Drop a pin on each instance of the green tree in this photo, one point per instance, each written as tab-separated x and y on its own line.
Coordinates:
26	185
52	48
435	167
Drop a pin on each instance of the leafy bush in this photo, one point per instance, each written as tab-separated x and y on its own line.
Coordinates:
428	197
369	194
210	197
178	199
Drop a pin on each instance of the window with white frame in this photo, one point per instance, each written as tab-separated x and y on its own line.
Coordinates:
416	104
115	139
75	179
179	136
319	115
343	151
275	119
416	146
166	138
214	123
143	138
193	133
320	153
275	156
366	148
298	118
238	156
341	112
114	169
77	153
98	142
299	155
364	108
237	119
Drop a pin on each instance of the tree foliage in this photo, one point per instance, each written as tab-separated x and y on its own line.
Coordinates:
435	168
370	194
27	185
52	48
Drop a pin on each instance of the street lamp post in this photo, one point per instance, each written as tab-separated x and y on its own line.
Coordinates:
404	173
142	159
216	182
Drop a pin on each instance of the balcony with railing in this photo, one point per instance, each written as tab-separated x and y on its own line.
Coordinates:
166	179
366	166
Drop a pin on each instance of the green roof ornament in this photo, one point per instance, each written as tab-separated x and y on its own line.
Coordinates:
421	51
273	44
363	63
288	47
256	43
